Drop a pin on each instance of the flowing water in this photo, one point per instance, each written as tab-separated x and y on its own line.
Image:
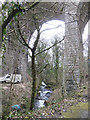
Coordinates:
42	96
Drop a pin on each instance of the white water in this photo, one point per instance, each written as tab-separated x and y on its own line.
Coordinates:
44	94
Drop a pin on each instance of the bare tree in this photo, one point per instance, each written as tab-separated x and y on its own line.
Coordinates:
24	41
34	54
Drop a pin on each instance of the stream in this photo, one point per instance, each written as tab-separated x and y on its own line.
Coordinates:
42	96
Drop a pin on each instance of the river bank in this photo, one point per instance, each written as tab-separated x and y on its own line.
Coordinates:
60	108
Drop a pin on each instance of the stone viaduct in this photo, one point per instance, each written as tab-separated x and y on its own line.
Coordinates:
75	15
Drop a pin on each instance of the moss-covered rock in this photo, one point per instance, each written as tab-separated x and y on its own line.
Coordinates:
79	110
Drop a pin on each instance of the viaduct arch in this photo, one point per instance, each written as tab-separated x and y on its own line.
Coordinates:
75	17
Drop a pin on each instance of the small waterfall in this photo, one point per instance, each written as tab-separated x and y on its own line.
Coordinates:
42	96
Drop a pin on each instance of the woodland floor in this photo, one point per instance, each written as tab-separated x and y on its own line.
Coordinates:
73	106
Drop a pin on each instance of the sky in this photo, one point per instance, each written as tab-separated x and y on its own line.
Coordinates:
85	41
57	28
49	30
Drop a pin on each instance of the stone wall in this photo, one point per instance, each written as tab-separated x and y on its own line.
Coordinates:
71	53
76	17
83	17
83	12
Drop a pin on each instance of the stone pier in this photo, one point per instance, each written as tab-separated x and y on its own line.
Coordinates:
15	58
71	53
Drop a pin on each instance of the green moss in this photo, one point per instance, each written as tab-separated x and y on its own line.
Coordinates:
75	110
81	91
79	95
84	87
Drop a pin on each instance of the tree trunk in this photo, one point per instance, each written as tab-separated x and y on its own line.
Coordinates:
34	82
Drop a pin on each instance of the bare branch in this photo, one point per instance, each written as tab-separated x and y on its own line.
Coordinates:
14	12
33	5
43	68
4	5
11	15
16	29
38	33
51	28
50	47
22	36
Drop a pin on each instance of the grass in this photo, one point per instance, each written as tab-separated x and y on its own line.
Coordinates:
74	111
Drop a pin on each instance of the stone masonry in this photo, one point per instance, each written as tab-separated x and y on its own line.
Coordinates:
71	53
17	60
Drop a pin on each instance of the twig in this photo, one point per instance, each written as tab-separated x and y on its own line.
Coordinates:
49	47
14	12
22	36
